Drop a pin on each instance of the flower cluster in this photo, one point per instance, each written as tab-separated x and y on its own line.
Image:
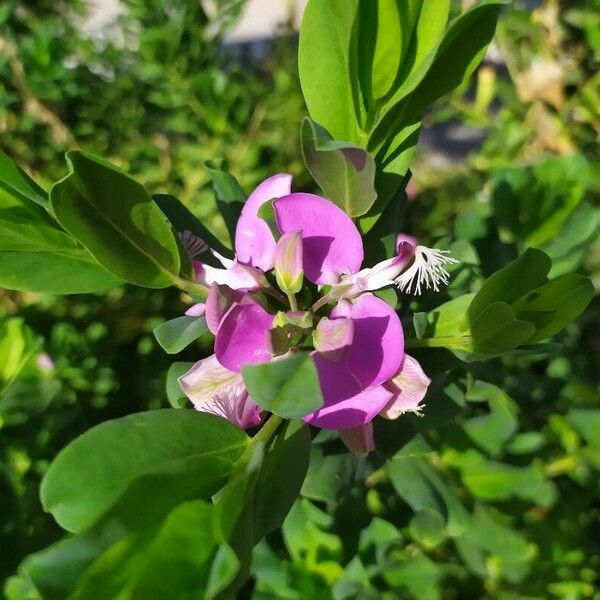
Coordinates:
297	281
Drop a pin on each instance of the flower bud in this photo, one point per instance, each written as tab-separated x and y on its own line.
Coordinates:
288	262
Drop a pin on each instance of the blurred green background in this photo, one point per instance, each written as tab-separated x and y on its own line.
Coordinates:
501	497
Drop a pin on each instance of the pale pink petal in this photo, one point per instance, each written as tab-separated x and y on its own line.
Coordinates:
409	387
384	273
331	242
237	277
242	337
254	241
359	440
378	343
345	405
216	390
196	310
333	338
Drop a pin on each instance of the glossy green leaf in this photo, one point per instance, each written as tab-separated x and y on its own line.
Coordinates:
175	395
175	556
117	221
289	387
511	282
258	499
280	478
36	255
55	570
497	330
454	60
167	455
493	430
329	90
177	334
423	490
18	184
328	475
17	345
345	172
554	305
229	194
423	22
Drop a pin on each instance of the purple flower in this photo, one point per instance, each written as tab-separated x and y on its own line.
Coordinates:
358	338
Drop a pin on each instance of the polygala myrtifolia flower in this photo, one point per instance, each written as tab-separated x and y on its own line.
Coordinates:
357	337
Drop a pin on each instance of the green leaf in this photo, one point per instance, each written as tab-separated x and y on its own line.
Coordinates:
17	345
175	557
117	221
230	196
259	498
37	256
489	547
51	273
554	305
167	455
423	23
496	330
55	570
177	334
423	489
427	527
288	387
328	475
329	90
18	184
280	478
490	480
511	282
175	395
454	60
391	41
345	172
493	430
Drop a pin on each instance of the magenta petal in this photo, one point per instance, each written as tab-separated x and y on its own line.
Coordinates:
242	336
332	245
377	347
254	242
275	186
346	405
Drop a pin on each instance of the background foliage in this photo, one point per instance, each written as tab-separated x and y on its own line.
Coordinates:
494	492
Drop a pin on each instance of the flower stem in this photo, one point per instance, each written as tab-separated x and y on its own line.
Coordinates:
274	294
267	430
439	342
292	300
190	287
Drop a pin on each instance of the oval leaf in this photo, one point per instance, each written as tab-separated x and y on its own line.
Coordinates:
117	221
179	333
167	455
289	387
345	172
